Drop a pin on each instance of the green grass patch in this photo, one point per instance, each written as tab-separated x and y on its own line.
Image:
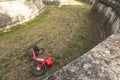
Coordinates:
68	32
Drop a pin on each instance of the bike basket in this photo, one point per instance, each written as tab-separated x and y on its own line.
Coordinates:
49	61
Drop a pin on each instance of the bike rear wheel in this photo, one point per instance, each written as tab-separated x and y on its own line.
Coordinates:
36	70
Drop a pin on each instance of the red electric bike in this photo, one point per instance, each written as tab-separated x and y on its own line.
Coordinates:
39	65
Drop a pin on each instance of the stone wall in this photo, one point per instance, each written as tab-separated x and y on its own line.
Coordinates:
14	12
88	1
103	61
55	2
107	14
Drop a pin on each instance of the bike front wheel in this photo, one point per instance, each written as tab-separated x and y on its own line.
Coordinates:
36	70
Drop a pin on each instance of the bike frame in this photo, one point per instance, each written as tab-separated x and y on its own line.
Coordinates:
47	61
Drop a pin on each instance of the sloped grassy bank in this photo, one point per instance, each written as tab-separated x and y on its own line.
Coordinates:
68	31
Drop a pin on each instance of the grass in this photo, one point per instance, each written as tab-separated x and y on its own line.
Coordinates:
68	31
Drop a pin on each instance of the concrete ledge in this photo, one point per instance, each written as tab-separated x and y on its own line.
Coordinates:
100	63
